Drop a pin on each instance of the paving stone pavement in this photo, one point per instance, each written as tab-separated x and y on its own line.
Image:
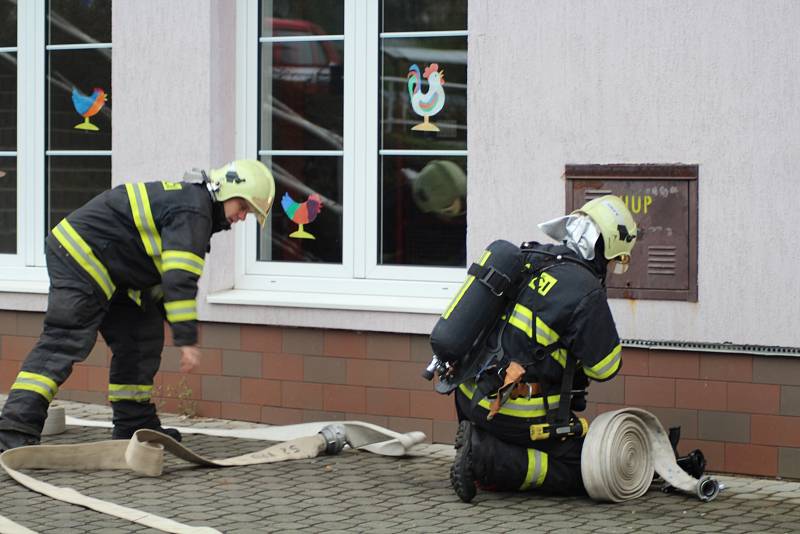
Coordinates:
362	492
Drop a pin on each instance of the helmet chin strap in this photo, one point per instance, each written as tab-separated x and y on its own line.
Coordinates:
212	189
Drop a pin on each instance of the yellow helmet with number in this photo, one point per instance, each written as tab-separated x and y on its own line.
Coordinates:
248	179
615	222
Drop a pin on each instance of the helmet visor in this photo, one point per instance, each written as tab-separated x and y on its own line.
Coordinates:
259	209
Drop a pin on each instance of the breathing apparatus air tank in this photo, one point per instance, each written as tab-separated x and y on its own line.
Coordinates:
479	302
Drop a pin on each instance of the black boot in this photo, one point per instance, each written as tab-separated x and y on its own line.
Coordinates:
14	434
461	476
130	416
11	439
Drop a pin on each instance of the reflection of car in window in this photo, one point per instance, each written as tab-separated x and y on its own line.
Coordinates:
314	62
303	82
306	86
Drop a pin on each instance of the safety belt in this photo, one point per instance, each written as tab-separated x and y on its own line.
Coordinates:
565	398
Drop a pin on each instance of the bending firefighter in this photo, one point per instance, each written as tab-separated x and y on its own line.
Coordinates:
118	265
516	403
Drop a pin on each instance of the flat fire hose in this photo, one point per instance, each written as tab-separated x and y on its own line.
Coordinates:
621	451
144	454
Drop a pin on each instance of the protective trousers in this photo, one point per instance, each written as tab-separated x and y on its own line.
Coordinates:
504	458
76	310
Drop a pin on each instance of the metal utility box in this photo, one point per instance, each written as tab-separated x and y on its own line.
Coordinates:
663	200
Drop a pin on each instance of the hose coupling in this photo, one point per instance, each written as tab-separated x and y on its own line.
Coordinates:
707	489
335	438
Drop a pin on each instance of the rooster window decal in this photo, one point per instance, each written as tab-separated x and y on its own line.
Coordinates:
88	106
428	103
301	213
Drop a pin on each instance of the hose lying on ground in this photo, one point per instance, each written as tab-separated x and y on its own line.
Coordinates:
144	454
621	451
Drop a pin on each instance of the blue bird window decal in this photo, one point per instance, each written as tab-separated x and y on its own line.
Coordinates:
87	106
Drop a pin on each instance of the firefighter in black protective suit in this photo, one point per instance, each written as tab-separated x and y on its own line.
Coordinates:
559	324
118	265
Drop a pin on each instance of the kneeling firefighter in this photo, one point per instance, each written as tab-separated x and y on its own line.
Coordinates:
517	388
120	264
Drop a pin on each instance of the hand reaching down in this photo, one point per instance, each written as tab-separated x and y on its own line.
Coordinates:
190	358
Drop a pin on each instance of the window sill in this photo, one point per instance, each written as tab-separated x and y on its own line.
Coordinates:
25	286
333	301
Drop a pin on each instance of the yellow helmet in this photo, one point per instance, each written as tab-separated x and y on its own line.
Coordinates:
615	222
248	179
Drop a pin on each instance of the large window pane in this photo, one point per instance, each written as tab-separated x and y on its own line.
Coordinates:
73	181
302	102
8	101
79	21
78	102
8	205
423	204
8	23
406	105
298	230
423	15
302	17
8	127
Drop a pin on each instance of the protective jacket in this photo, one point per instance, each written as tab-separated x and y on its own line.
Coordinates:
117	265
562	310
139	236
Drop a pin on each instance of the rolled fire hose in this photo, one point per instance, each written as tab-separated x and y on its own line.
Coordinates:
621	451
144	454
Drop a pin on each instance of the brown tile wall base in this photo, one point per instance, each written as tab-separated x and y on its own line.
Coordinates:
740	410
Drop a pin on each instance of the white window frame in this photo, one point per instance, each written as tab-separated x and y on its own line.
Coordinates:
25	271
359	282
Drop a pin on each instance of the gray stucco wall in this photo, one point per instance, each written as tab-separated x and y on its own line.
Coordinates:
713	83
174	98
551	83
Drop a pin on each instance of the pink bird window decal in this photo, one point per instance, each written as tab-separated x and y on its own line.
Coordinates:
301	213
426	103
87	106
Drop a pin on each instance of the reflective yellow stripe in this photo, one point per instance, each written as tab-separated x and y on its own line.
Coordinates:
136	296
544	334
181	310
136	387
537	469
560	356
135	392
143	218
522	318
520	407
606	367
179	259
82	253
46	380
43	385
465	286
547	336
